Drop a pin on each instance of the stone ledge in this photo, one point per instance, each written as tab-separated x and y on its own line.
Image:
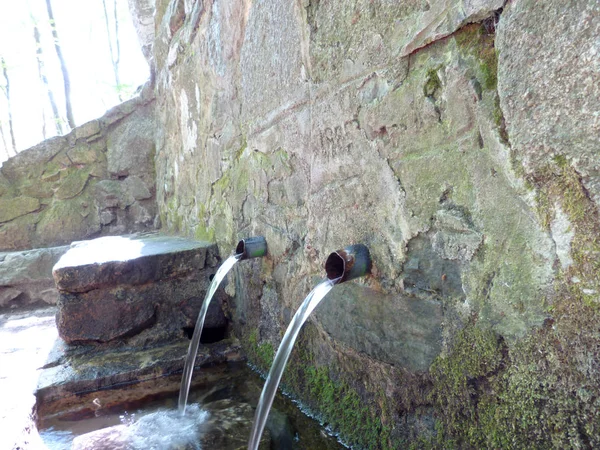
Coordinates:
119	260
74	376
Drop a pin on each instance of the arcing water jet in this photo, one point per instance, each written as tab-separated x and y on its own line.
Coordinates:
351	262
254	247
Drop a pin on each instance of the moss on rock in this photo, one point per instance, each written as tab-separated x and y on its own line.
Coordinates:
12	208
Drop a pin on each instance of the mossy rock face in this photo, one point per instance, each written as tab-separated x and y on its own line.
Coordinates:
18	233
15	207
72	184
38	189
82	154
67	220
382	124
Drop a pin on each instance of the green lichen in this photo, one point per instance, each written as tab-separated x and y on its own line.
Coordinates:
462	381
174	220
538	394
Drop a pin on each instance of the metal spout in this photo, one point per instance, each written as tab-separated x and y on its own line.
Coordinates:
253	247
351	262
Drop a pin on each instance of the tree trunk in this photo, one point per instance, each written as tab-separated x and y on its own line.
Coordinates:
4	146
63	66
7	94
115	59
44	80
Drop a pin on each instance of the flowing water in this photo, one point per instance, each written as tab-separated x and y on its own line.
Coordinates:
188	368
311	301
219	416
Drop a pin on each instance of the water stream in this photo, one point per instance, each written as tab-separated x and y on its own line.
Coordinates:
188	368
311	301
219	416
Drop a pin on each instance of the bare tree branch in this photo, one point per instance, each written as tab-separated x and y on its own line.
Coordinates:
4	146
63	66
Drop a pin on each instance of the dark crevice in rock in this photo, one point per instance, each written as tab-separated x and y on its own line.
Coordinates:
212	335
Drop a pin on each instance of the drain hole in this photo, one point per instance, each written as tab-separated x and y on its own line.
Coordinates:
211	276
209	335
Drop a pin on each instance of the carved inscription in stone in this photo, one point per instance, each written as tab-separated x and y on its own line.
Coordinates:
336	141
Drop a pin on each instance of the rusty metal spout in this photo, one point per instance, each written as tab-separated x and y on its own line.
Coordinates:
253	247
351	262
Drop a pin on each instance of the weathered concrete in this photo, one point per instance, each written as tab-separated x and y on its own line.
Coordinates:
116	287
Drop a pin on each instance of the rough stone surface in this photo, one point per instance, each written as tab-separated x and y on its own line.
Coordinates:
16	207
116	287
367	122
130	146
402	331
26	277
549	90
57	192
74	375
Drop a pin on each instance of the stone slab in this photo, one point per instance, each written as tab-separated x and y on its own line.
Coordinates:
73	376
149	287
117	260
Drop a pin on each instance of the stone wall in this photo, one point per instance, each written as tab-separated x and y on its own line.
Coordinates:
451	137
97	180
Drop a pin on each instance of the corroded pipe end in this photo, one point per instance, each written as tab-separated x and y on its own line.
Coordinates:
351	262
253	247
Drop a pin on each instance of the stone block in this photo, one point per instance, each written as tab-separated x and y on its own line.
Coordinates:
104	315
18	234
116	287
67	220
87	129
